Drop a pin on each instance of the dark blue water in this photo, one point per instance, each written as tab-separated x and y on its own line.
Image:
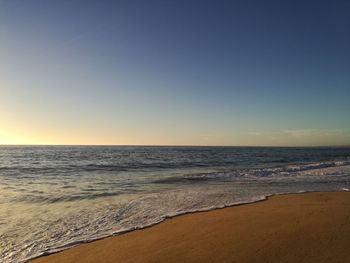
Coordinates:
52	197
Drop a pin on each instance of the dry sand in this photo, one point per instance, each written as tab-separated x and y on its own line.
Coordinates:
311	227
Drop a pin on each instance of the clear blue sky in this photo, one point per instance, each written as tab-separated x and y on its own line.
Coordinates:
175	72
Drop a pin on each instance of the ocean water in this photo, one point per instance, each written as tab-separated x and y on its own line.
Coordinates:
55	197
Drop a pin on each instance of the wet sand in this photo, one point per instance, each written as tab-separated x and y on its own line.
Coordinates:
310	227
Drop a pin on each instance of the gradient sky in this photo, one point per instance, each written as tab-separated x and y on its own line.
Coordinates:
175	72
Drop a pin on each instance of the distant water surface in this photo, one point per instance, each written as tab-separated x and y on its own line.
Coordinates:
54	197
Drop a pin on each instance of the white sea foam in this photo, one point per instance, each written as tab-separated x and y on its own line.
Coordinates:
292	172
94	223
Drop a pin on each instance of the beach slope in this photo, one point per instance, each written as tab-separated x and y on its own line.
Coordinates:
309	227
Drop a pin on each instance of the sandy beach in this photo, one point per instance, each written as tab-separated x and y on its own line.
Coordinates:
309	227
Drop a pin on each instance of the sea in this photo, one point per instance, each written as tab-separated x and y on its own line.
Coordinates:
56	197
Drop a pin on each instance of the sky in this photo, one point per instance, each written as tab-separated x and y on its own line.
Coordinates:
244	73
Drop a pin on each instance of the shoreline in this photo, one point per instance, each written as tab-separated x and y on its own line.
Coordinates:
168	217
83	248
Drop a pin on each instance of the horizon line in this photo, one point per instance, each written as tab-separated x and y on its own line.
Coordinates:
176	145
